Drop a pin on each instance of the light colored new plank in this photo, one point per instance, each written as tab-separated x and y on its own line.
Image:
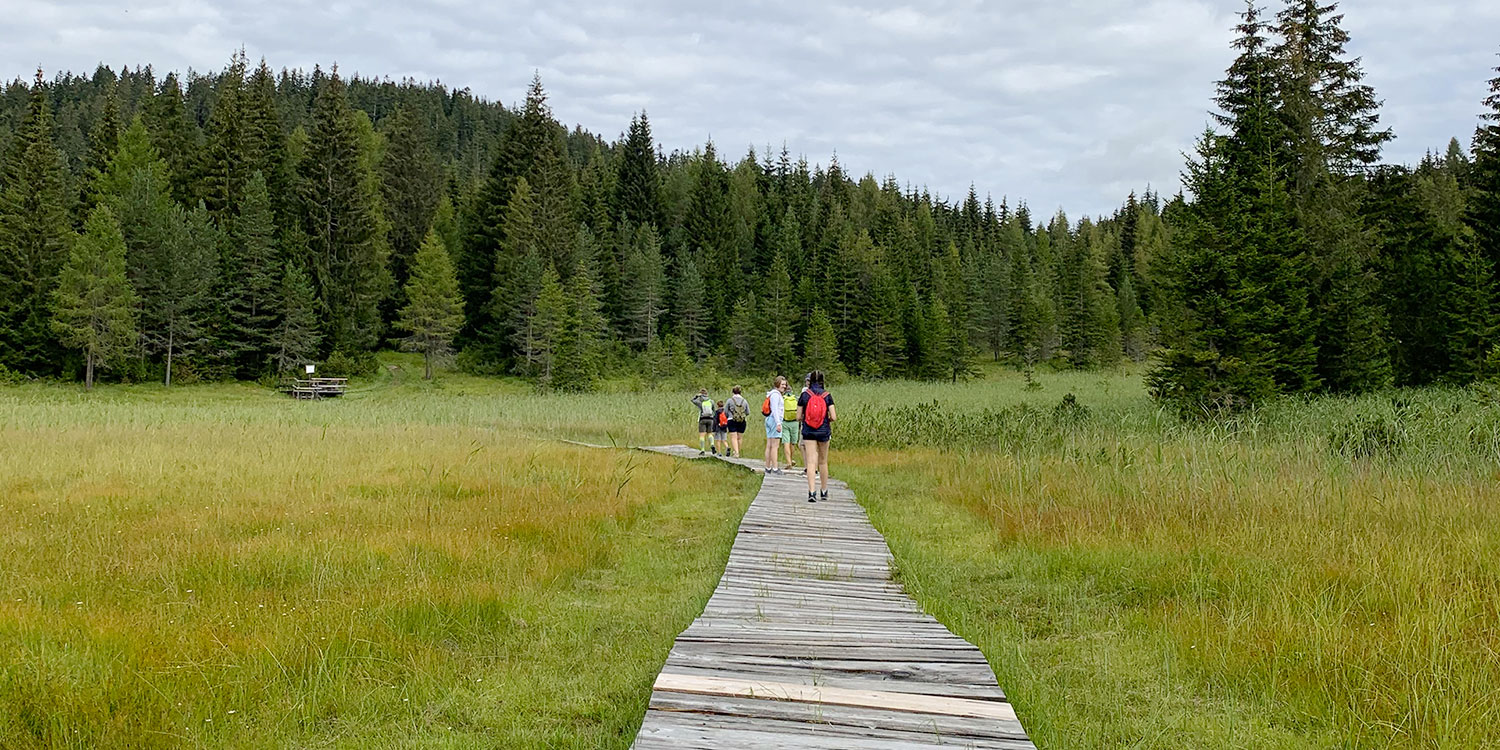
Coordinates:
786	691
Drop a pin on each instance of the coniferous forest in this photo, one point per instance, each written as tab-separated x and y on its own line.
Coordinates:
241	223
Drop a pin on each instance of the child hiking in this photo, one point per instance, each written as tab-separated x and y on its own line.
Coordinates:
703	406
739	411
721	431
816	413
772	408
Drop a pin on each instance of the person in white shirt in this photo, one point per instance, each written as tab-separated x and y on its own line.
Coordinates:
773	408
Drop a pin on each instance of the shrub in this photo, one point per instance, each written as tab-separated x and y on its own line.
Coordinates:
1367	436
343	364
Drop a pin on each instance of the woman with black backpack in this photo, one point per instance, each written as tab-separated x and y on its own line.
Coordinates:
816	413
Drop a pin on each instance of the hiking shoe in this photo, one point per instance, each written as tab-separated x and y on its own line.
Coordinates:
825	496
701	453
812	497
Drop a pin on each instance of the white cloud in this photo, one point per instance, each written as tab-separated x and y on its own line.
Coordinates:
1066	103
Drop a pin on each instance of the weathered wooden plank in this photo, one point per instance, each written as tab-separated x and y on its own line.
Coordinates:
835	696
866	718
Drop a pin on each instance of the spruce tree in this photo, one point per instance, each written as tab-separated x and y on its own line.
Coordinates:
251	277
777	317
821	351
223	165
709	234
410	187
298	336
547	326
175	137
644	288
433	311
1483	213
33	241
178	285
580	351
104	142
342	223
93	305
744	335
690	317
517	277
637	188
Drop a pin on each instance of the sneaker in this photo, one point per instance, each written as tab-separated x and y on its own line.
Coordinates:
812	497
825	496
701	453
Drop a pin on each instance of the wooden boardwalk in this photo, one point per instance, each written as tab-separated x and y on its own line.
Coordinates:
808	644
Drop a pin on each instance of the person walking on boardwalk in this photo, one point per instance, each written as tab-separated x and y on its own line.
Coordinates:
721	431
791	431
772	408
704	406
816	413
739	411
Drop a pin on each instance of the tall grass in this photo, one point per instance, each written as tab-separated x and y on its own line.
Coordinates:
219	566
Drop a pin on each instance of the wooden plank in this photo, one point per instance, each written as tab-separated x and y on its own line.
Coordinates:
786	691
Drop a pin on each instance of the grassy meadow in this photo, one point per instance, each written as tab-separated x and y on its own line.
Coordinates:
418	565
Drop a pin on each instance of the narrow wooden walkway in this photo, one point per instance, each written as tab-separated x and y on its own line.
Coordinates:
807	644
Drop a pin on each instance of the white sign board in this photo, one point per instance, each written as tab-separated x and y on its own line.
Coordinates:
311	368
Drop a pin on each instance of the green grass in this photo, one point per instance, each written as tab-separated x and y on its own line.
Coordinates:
418	565
221	566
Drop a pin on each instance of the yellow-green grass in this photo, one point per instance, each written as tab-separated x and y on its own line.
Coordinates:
1136	581
220	566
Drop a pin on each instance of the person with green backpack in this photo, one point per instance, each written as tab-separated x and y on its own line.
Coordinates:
704	407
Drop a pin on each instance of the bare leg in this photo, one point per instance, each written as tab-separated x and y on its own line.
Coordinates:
772	449
822	465
810	451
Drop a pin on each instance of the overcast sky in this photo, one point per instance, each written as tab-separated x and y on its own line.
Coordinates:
1069	103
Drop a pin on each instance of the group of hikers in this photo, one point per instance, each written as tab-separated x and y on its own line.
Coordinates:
805	422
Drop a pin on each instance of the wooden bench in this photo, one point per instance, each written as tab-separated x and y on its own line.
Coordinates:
316	388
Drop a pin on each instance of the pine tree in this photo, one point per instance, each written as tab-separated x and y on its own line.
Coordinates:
178	280
775	316
1482	220
251	277
94	307
410	188
637	187
298	337
175	138
33	240
821	351
580	350
104	142
644	292
433	311
343	224
265	142
690	316
744	335
709	234
518	150
224	163
547	326
517	281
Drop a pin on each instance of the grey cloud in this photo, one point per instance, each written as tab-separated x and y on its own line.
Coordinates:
1069	103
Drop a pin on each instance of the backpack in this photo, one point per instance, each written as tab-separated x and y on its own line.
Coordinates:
765	406
723	419
815	414
707	406
738	408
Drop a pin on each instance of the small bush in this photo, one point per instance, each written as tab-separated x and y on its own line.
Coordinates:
343	364
1367	436
1070	413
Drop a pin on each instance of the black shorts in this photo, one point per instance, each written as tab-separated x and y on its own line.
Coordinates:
737	427
820	435
706	424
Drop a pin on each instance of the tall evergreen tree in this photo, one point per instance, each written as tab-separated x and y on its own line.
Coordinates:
250	282
224	164
298	336
821	351
410	187
690	315
104	142
342	223
33	240
637	187
644	294
433	310
1482	219
175	138
93	305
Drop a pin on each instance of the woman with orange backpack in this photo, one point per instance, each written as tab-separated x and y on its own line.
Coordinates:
772	408
816	413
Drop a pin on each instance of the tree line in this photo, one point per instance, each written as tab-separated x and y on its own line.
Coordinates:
241	223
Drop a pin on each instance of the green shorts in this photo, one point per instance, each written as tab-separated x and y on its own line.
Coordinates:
791	432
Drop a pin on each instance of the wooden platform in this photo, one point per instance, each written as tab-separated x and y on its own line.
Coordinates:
807	643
